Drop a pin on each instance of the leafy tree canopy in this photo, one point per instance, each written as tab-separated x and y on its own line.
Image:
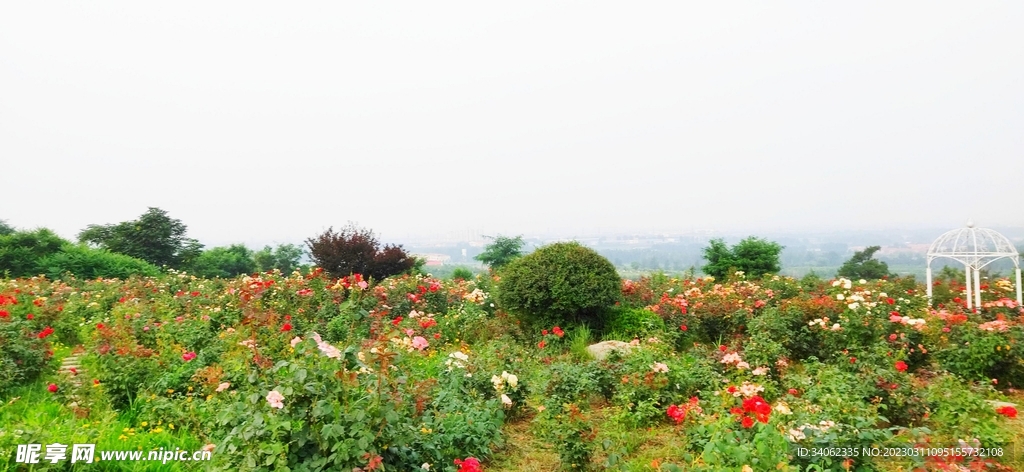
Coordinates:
502	251
754	256
863	265
5	228
285	258
21	251
354	250
154	237
224	262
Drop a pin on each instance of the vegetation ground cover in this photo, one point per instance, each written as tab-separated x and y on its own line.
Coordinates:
303	371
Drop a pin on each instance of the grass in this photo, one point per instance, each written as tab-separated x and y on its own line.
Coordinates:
33	415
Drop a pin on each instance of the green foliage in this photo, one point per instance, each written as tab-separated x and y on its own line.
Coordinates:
5	228
285	258
154	237
863	266
560	282
501	252
23	355
224	262
462	273
754	256
569	429
21	251
90	263
633	323
354	250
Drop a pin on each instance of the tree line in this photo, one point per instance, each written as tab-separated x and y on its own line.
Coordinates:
155	242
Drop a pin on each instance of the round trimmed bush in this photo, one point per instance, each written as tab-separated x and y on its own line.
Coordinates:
560	282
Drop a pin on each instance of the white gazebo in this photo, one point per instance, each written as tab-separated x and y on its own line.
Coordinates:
975	248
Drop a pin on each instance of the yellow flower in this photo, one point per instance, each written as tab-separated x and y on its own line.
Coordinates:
171	425
157	430
190	388
124	430
144	424
170	391
122	437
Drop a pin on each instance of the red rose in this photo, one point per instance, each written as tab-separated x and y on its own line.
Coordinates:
747	422
52	388
286	327
901	366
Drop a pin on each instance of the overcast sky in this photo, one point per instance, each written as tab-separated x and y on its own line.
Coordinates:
269	122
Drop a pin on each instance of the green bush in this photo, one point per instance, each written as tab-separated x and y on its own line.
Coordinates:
23	355
224	262
562	282
21	251
88	263
633	322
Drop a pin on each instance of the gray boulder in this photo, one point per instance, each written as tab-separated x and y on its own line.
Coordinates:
601	350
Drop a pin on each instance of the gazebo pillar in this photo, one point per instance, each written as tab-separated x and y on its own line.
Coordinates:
977	288
1019	302
967	286
928	281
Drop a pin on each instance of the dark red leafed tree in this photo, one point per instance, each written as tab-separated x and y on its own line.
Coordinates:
354	250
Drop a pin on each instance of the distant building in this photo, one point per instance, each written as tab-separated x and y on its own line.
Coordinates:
434	260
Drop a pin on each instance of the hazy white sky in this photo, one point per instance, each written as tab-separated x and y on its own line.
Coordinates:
270	121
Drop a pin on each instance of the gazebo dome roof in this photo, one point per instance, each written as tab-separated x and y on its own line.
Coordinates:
976	247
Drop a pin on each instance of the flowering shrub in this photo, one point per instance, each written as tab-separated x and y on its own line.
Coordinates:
25	351
415	373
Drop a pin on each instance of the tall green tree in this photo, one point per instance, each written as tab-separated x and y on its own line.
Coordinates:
285	257
224	262
5	228
754	256
863	265
502	251
154	237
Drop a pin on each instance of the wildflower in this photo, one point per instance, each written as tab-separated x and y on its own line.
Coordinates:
683	327
471	464
793	391
796	435
1007	411
209	447
541	345
722	348
420	343
747	422
188	356
746	468
558	331
295	341
45	332
659	367
223	386
760	371
274	398
286	327
506	400
544	332
29	316
676	413
901	366
52	388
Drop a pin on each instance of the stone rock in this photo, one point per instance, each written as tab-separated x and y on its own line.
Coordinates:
601	350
